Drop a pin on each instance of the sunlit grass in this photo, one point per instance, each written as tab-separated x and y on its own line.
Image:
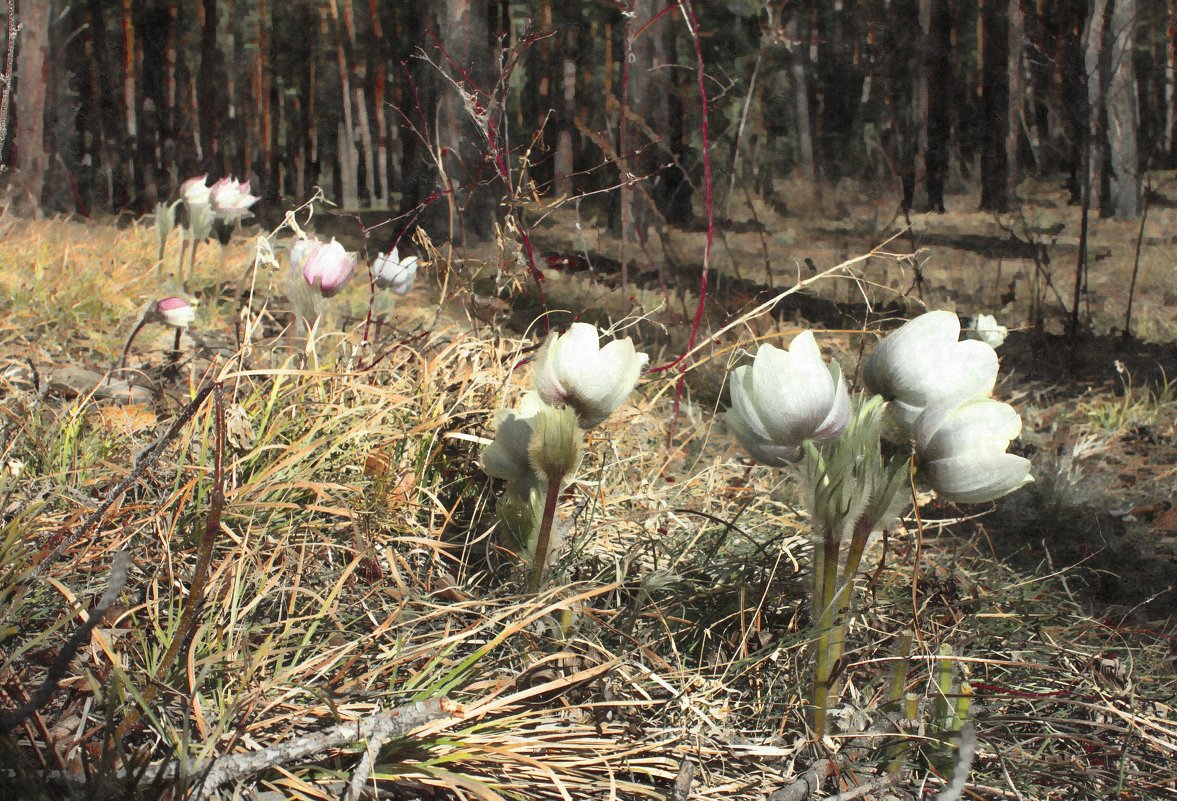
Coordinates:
355	567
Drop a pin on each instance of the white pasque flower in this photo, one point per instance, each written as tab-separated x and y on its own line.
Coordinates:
390	271
507	457
174	311
786	397
231	200
984	327
961	444
923	361
573	369
195	191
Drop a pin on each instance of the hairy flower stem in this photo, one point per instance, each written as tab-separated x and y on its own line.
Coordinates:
833	595
134	333
183	252
539	558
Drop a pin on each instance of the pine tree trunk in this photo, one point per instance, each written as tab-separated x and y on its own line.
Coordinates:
1015	96
465	36
915	175
1123	200
132	176
377	58
938	64
1169	135
210	87
800	89
28	134
568	42
1091	189
995	106
349	156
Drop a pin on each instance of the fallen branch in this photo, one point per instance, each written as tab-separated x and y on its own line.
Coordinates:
379	727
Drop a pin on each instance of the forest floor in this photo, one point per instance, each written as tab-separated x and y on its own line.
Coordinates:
355	570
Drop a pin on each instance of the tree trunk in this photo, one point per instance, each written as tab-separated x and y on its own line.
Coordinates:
938	64
377	59
1123	199
349	156
1169	135
463	135
28	134
211	88
915	155
1014	96
995	106
1091	189
800	88
568	40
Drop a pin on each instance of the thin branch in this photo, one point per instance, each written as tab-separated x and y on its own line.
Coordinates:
142	463
12	718
195	601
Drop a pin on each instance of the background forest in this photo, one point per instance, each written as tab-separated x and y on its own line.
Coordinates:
368	99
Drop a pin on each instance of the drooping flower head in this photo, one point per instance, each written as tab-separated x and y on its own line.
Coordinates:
507	457
325	266
392	272
960	446
573	369
231	200
923	361
785	398
174	311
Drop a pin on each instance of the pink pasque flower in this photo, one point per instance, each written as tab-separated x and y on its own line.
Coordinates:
175	311
231	199
325	266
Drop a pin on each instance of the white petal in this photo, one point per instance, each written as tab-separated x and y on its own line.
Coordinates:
762	450
839	415
792	392
742	405
547	384
977	478
951	428
897	365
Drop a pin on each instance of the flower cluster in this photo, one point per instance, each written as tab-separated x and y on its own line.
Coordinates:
220	205
936	387
537	447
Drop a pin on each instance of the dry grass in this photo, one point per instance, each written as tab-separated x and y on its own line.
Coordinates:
356	568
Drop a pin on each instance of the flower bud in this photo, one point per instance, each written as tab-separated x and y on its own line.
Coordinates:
231	200
325	266
961	449
785	398
554	450
984	328
507	457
